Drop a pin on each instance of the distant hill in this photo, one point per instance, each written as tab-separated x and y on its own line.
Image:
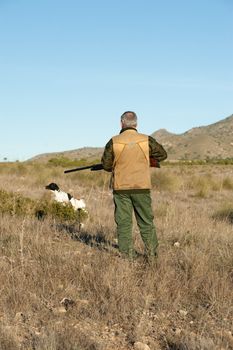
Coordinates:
203	142
90	153
211	141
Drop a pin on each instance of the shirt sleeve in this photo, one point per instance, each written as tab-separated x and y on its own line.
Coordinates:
108	156
156	150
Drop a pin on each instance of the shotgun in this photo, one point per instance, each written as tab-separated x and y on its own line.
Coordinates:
154	163
93	167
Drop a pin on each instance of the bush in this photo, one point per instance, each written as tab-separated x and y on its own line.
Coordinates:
15	204
61	212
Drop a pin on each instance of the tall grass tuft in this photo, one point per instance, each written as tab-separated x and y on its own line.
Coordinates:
225	213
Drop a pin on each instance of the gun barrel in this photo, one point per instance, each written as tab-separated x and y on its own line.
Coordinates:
93	167
77	169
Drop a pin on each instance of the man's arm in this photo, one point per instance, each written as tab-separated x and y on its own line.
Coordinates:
156	150
108	156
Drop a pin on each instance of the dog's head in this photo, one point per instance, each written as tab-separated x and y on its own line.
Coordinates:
52	187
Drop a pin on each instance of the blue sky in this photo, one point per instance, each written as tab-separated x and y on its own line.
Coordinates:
69	69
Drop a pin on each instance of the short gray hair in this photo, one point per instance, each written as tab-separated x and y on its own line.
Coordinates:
129	119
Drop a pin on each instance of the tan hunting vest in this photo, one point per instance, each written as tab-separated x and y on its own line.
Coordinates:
131	168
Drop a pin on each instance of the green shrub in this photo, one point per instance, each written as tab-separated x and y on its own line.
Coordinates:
15	204
64	213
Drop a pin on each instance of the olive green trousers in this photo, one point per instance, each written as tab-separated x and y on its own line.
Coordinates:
141	204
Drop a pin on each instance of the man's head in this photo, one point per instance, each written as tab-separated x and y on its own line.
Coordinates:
129	120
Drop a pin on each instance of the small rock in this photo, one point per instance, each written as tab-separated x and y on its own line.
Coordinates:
183	312
177	244
20	317
141	346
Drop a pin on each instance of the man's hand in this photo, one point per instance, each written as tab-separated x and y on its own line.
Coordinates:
154	163
96	167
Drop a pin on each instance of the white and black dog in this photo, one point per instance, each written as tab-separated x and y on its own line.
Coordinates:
66	198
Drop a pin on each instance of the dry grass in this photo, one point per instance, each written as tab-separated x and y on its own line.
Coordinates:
184	302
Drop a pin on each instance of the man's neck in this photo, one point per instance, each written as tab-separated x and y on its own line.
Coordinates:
127	128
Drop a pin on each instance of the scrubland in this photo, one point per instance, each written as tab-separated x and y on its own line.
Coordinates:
67	289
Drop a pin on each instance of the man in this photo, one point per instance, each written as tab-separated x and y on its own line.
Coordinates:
128	156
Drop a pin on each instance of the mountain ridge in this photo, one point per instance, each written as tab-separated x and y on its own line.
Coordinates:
202	142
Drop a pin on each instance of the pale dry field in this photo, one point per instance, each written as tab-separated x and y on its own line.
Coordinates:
183	302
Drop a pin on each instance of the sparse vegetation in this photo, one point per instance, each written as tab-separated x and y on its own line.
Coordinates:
61	290
228	183
67	162
166	181
225	213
